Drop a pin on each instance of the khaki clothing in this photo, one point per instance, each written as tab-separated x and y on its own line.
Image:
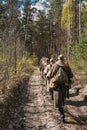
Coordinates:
46	70
60	96
60	93
56	67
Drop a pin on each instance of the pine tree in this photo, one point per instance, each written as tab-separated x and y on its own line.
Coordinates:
55	25
28	23
42	34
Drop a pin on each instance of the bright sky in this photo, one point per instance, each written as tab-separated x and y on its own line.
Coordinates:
38	3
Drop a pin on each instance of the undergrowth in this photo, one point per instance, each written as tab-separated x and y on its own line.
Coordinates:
13	88
11	107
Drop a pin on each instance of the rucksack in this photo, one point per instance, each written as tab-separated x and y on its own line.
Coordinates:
61	77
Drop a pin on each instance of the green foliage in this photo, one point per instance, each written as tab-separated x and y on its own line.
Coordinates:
84	16
2	59
80	53
26	62
3	17
83	48
2	63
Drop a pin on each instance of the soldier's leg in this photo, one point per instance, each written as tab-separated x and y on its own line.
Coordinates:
60	106
51	93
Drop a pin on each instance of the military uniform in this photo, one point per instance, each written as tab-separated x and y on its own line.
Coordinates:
61	91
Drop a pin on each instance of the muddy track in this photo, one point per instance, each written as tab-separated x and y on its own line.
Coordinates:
39	111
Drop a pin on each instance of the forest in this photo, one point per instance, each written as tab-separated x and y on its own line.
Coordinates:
28	33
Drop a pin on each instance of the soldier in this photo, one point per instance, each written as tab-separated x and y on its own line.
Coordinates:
43	64
47	71
70	76
60	91
49	78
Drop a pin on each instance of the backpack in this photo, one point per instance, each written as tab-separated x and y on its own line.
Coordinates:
61	77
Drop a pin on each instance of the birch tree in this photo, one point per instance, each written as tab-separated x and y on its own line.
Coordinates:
67	22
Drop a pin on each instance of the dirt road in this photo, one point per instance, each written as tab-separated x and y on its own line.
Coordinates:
39	111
